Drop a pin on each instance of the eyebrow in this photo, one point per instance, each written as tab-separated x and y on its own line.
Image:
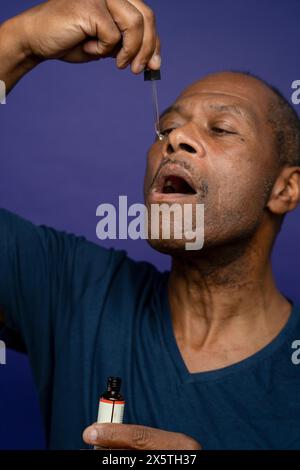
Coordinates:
171	109
228	108
234	109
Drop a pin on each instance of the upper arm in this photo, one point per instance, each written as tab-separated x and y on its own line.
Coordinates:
49	282
35	264
42	273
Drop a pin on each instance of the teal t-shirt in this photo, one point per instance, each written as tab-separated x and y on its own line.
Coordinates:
85	313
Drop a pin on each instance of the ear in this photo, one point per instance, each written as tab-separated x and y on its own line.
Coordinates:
285	194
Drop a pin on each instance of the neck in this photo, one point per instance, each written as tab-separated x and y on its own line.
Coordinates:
226	299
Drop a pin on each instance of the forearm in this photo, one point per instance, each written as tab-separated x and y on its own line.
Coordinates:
15	60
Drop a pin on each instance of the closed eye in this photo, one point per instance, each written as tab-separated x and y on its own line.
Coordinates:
221	131
215	129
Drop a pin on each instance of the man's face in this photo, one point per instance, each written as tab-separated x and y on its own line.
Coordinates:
218	150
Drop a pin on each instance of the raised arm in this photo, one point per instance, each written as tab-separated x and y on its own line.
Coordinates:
74	31
79	31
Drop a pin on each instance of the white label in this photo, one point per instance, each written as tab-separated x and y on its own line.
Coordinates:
110	412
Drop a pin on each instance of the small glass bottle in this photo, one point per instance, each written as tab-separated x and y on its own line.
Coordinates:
112	403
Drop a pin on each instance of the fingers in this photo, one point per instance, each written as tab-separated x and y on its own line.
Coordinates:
78	55
129	436
150	46
93	29
124	29
155	61
131	24
136	22
105	29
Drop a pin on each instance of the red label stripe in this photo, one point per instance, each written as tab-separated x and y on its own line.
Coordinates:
111	402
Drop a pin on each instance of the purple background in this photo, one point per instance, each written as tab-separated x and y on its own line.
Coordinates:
73	137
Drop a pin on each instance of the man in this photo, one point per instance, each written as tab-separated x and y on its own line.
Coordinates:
205	351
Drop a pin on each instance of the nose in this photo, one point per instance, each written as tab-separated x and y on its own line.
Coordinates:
183	139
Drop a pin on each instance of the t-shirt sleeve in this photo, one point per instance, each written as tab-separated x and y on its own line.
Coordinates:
44	275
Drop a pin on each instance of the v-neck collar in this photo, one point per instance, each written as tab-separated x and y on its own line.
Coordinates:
187	377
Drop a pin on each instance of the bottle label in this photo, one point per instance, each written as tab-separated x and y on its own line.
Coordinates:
110	411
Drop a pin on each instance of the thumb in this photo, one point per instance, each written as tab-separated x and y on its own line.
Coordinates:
96	47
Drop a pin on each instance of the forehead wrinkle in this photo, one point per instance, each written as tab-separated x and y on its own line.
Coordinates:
190	94
227	108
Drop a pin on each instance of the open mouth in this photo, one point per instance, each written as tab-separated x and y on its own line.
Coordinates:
173	184
173	181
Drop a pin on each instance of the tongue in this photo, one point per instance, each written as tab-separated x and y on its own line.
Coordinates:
175	184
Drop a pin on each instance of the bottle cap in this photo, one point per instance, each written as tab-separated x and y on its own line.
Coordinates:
150	75
114	384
